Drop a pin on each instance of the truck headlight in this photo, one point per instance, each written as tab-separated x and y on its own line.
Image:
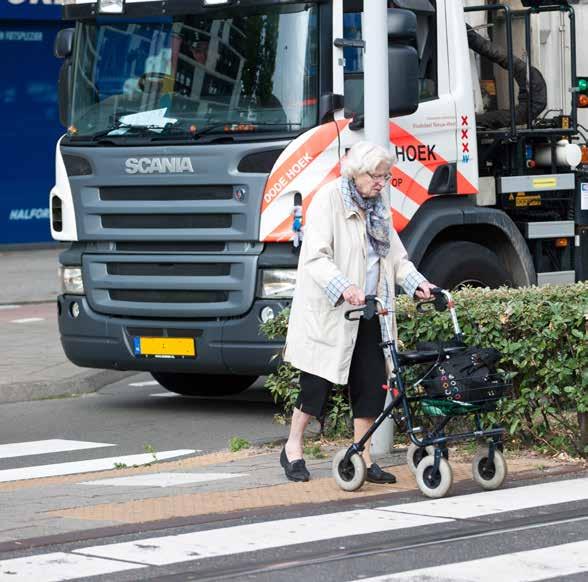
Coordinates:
71	280
278	283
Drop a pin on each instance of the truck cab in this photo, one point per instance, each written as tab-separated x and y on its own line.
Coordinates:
197	134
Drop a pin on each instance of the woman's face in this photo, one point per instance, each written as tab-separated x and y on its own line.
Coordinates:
369	185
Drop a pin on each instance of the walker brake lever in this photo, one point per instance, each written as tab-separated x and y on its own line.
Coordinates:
348	314
367	311
439	301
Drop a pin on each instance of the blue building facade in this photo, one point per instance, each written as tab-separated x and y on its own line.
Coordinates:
29	117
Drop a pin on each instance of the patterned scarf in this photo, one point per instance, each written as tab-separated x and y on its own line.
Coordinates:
376	217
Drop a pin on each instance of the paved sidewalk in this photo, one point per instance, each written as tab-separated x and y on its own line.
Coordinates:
33	364
159	496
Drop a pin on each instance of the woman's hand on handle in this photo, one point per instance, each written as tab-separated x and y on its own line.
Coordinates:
423	291
354	295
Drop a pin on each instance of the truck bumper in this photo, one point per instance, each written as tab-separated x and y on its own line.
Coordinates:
233	346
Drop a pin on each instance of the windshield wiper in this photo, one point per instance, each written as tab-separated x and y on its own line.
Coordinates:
241	127
129	130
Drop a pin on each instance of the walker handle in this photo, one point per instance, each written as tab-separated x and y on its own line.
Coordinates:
368	310
441	300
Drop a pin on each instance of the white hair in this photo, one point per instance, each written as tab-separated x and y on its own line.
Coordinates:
364	157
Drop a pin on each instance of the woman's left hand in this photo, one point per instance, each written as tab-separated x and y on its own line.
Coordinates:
423	291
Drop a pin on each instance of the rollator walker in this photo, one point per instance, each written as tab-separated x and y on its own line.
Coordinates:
459	381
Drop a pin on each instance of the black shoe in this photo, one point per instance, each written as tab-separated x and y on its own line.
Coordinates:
375	474
296	470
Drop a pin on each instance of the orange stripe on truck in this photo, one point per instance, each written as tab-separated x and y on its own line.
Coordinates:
300	159
409	187
401	137
284	230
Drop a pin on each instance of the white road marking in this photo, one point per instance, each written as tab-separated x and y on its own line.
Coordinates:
88	466
59	566
165	479
490	502
279	533
257	536
147	383
28	320
529	566
163	394
10	306
45	447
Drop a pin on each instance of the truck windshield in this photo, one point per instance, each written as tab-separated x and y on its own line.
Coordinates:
188	76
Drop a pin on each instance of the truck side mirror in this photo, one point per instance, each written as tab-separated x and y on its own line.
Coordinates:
403	62
63	45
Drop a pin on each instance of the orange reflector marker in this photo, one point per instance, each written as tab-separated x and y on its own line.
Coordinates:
582	100
561	243
585	154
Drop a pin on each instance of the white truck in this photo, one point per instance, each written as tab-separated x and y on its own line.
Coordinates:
199	132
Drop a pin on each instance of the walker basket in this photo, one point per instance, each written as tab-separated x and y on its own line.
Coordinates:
463	397
464	382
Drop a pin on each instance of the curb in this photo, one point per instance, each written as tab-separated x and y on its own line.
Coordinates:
83	383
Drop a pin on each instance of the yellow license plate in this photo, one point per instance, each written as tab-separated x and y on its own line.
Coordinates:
165	347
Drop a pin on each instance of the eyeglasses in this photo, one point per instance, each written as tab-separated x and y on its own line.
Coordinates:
379	177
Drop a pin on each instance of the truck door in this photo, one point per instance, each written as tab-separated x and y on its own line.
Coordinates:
424	142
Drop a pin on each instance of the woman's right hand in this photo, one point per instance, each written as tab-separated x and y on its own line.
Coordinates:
354	295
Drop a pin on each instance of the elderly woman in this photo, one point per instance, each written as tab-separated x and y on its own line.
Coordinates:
350	250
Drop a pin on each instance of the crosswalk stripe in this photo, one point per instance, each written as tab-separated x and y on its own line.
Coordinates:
257	536
501	500
285	532
164	479
45	447
88	466
529	566
59	566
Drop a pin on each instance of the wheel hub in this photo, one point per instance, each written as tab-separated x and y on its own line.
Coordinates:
486	469
432	478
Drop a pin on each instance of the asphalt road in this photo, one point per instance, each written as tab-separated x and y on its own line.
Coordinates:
134	416
526	531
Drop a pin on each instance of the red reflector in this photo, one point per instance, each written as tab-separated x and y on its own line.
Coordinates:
395	392
385	387
582	100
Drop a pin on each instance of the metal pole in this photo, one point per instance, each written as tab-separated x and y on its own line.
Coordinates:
375	35
377	130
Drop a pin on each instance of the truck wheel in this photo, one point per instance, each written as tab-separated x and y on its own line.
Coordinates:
203	384
455	264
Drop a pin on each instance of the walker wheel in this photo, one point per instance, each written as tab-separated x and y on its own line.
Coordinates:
414	455
434	484
489	475
349	476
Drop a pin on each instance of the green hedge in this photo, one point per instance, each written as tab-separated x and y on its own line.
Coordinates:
542	333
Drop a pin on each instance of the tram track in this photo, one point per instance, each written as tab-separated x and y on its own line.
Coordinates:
425	541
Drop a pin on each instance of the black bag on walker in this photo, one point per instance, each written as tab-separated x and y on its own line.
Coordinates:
466	376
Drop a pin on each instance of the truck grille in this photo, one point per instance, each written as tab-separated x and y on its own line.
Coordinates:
147	247
203	213
166	221
186	287
148	296
165	193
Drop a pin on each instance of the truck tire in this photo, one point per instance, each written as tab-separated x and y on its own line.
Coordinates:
203	384
458	263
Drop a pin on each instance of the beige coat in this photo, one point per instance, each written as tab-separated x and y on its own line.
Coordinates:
320	340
